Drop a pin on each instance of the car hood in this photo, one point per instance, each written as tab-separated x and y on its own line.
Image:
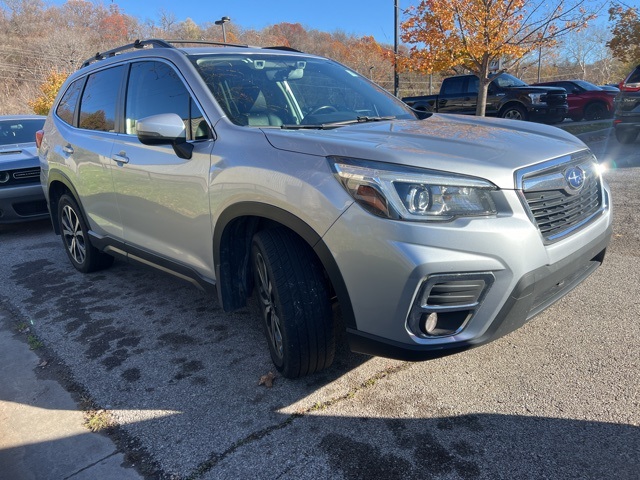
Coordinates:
19	155
492	149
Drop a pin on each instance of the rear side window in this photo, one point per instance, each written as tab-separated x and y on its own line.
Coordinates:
635	76
99	99
452	86
155	88
66	110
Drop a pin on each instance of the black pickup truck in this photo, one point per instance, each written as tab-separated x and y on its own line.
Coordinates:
507	97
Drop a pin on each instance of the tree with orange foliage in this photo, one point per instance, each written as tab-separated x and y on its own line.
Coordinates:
48	91
475	33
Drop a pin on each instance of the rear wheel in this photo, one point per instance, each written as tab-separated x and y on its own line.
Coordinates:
293	297
626	136
513	112
75	238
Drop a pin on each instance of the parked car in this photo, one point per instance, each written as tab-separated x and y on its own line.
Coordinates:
586	100
507	97
293	178
626	121
21	196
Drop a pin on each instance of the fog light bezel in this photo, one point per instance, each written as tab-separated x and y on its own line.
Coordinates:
452	318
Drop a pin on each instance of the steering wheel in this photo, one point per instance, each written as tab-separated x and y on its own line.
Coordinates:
328	108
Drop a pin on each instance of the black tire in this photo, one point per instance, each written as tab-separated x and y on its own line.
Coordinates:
626	136
595	111
75	238
513	112
293	297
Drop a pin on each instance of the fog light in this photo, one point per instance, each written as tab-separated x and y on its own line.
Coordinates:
430	323
4	177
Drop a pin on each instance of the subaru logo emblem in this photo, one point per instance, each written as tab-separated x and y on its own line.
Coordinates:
575	178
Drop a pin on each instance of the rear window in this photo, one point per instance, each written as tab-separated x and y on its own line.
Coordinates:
19	131
635	76
66	110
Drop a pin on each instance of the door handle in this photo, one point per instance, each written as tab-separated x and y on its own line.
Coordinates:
68	149
120	158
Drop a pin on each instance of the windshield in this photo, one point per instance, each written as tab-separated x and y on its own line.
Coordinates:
258	89
505	80
19	131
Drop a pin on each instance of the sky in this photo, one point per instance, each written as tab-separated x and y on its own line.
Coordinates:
358	17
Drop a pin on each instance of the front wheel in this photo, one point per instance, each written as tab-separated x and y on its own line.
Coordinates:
595	111
75	238
293	298
513	112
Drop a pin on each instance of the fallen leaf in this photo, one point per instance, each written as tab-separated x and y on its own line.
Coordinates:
267	380
43	364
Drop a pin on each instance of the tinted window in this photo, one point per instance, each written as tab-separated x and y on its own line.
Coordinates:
635	76
98	105
155	88
67	107
452	85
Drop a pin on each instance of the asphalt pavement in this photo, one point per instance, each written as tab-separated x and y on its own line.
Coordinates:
178	380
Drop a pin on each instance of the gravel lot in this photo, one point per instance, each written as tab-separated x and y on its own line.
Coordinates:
558	398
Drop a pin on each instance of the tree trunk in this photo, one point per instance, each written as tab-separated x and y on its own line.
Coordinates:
483	87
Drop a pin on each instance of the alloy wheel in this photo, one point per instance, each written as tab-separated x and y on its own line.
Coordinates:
73	235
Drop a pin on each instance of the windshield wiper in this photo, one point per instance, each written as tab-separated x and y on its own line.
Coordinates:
327	126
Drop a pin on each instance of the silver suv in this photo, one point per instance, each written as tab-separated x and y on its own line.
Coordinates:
292	177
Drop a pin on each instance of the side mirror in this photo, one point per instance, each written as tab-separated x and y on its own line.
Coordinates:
165	129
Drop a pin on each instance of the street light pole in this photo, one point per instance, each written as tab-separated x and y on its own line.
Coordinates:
221	22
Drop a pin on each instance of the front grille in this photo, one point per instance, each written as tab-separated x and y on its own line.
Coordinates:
558	208
555	99
22	176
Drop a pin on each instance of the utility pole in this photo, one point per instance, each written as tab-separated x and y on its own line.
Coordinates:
396	81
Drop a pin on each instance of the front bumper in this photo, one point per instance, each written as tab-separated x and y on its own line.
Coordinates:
541	113
533	293
22	203
385	263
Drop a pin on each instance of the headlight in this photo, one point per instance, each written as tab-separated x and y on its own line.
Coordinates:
415	194
536	97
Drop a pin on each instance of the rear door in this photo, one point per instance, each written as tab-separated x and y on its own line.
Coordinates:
86	124
164	199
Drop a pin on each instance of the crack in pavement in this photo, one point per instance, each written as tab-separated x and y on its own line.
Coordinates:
215	459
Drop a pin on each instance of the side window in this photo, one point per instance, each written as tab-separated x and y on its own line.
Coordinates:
155	88
452	86
67	107
98	104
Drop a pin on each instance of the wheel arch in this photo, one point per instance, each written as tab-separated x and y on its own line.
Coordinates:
514	103
232	238
59	184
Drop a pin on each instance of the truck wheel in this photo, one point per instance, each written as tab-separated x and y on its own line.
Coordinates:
293	297
513	112
595	111
626	136
75	238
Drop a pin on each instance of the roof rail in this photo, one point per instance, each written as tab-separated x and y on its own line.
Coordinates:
154	43
283	47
